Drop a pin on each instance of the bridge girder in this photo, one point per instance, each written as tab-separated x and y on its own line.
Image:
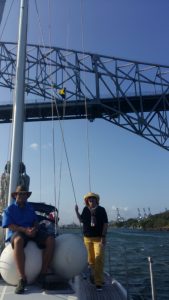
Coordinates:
132	95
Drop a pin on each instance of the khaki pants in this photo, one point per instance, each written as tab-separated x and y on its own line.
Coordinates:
95	252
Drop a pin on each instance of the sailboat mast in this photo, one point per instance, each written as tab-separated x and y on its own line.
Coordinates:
18	106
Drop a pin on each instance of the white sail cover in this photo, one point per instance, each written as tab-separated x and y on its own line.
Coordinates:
2	5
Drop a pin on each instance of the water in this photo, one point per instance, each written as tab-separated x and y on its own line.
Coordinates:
127	253
127	261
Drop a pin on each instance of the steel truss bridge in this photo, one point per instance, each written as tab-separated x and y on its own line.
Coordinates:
67	84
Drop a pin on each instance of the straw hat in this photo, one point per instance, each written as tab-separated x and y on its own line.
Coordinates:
20	189
90	194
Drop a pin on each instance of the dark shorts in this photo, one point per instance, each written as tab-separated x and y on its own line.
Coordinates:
39	239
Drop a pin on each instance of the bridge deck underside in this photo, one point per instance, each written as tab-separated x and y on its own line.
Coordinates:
76	109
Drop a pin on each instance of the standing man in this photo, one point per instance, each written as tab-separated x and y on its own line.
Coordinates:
21	220
95	223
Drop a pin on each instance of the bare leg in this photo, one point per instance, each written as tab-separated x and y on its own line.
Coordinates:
47	254
19	256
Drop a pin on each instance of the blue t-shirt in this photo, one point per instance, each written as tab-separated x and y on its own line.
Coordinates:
21	216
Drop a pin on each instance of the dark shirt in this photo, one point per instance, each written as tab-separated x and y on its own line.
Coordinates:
21	216
101	219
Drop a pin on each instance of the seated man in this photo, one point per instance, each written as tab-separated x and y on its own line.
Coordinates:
21	220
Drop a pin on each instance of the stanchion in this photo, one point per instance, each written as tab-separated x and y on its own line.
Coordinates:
152	278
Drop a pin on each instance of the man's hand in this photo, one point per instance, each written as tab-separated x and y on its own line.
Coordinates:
31	231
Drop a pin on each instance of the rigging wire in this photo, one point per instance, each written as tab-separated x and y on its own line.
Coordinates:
62	133
65	148
11	129
86	110
58	116
53	135
40	159
40	27
42	38
12	95
3	29
61	159
64	87
5	181
12	91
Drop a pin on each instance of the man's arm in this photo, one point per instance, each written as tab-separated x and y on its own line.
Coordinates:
30	231
14	227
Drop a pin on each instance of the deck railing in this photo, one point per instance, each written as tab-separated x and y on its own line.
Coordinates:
144	277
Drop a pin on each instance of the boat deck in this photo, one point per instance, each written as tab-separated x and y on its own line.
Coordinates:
80	289
112	290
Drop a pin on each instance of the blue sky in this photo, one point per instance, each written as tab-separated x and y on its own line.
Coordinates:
127	171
